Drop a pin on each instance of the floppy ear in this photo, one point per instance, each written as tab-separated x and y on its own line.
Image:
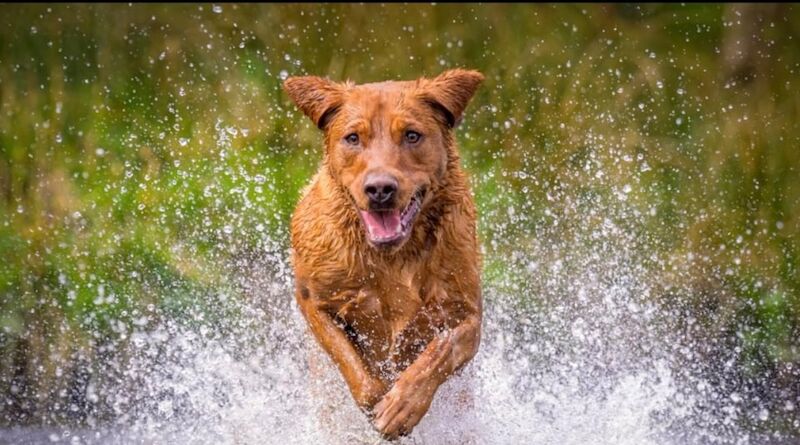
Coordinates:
318	98
451	91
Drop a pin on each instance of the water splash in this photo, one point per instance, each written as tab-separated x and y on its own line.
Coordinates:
575	350
599	119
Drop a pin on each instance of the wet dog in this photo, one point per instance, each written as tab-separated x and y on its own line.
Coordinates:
385	254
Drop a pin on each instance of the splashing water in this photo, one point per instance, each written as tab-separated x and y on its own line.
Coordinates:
638	199
574	351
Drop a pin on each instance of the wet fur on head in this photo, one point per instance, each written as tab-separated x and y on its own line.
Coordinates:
440	100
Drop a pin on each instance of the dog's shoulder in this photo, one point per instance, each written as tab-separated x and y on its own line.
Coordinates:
324	232
455	261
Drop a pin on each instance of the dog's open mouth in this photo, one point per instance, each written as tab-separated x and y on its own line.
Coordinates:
389	227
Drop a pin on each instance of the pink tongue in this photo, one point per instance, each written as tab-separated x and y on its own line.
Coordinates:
382	225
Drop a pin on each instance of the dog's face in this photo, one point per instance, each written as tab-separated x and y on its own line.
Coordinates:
387	143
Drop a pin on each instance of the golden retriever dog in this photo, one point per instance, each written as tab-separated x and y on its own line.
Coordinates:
385	253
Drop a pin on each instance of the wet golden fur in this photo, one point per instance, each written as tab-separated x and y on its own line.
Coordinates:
397	320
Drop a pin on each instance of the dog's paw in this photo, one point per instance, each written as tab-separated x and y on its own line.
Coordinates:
402	408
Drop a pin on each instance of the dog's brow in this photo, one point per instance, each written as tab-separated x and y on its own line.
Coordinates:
380	111
357	124
402	121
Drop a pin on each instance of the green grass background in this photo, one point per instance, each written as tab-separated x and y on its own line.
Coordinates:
144	147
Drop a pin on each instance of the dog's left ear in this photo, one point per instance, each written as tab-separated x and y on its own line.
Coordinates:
451	91
318	98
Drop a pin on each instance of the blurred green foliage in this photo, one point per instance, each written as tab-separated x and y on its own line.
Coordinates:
142	147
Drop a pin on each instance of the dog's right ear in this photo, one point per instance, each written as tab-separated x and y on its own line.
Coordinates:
318	98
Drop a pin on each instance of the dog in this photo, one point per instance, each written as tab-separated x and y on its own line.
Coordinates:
384	244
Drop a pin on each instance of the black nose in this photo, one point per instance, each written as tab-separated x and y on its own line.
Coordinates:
380	189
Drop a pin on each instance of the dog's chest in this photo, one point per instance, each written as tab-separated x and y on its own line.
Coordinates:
401	299
381	313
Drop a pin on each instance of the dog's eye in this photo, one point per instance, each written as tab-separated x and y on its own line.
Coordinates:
351	139
412	137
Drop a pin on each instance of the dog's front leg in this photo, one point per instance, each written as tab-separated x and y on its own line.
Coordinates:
365	388
409	399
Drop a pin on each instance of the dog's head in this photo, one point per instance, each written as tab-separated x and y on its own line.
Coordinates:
387	143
